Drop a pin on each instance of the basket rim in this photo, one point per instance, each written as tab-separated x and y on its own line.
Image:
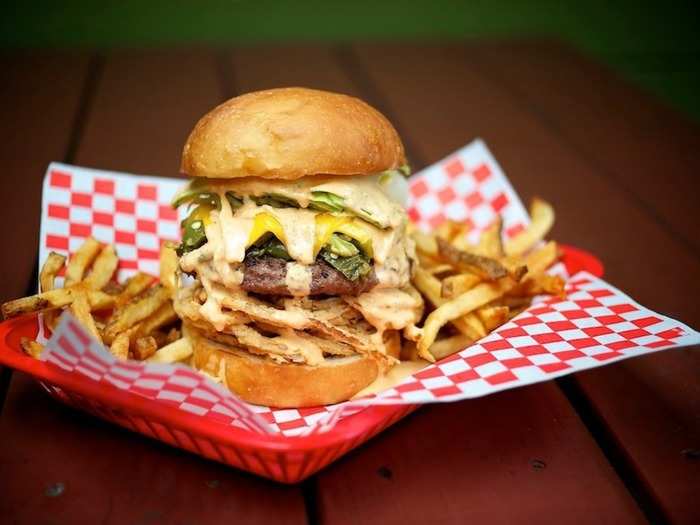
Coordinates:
347	429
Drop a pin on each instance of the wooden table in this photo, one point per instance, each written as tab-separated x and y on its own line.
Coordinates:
614	445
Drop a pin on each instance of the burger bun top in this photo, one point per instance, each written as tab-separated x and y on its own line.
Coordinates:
289	133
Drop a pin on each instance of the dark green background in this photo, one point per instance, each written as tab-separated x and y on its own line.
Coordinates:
654	44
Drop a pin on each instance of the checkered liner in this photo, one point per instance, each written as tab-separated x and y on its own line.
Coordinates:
595	325
133	213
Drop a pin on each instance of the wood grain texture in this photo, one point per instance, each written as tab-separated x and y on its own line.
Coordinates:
515	457
439	446
453	103
311	66
652	405
112	476
40	95
457	103
144	107
650	151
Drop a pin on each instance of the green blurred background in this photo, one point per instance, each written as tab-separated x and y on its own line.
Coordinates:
653	44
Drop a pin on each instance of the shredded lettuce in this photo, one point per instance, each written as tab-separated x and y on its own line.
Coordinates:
326	201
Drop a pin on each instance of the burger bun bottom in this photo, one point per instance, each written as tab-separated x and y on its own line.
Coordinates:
262	381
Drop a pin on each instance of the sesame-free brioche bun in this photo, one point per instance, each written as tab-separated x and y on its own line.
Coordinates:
262	381
289	133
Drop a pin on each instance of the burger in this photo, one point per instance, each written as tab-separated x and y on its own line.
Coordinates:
295	265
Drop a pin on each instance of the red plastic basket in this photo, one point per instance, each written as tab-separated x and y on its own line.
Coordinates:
281	458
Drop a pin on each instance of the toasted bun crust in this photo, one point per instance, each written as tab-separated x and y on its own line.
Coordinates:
289	133
263	382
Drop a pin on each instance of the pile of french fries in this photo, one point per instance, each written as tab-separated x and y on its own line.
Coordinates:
476	288
136	319
473	290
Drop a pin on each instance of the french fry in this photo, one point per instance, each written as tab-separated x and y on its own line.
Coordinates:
144	347
139	309
113	288
514	312
80	308
173	335
464	304
47	278
490	243
455	285
426	261
120	346
161	317
449	345
99	300
430	287
31	348
542	215
160	337
176	351
515	266
425	243
448	230
541	283
49	270
57	298
541	259
135	285
102	269
471	326
80	260
493	316
440	269
168	267
485	267
461	242
512	302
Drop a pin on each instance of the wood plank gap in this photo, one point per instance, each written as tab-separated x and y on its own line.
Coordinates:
309	491
87	97
5	376
613	451
227	74
548	122
348	61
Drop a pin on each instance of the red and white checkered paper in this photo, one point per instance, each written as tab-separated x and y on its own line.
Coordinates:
595	325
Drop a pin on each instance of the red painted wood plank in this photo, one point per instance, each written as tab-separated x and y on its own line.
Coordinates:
648	149
144	109
652	405
311	66
443	467
453	103
456	104
40	97
520	456
61	466
145	105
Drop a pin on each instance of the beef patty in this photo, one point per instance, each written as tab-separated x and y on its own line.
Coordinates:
266	275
